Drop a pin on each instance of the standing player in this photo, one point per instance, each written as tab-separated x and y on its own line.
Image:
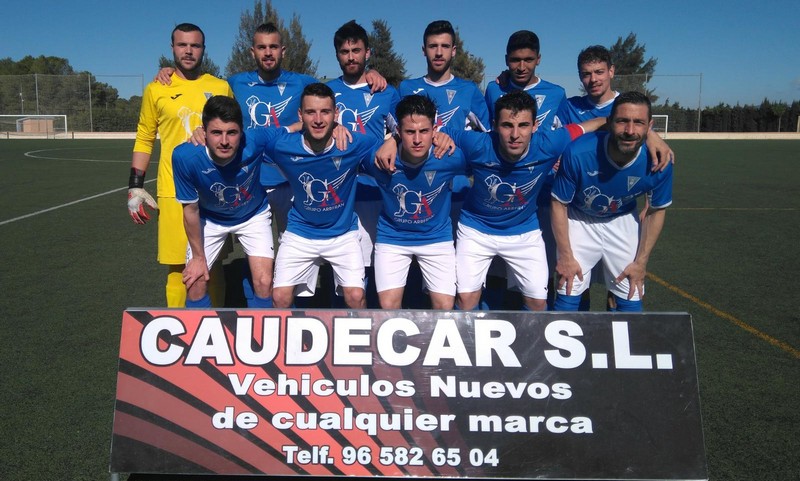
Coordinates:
499	216
415	219
594	207
171	111
596	71
459	103
218	186
322	223
522	58
364	112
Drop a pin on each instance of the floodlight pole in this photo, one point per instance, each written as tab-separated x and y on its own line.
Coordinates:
21	104
91	123
699	101
36	84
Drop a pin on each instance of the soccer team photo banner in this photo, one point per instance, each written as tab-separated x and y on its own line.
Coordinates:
408	393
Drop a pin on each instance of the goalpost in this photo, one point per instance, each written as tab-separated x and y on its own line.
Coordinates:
661	124
33	126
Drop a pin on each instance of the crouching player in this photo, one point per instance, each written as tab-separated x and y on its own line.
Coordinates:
415	219
218	186
594	207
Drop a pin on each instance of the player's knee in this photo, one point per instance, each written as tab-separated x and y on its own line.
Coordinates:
282	298
262	284
354	298
531	304
467	301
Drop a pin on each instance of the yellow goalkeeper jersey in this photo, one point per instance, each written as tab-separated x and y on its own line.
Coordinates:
173	112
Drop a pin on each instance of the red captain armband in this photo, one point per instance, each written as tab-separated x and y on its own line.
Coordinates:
136	180
575	130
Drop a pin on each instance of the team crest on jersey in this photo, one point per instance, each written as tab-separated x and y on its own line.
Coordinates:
429	176
281	87
337	162
414	205
265	114
450	95
322	192
208	95
632	181
357	121
442	118
367	98
509	195
539	100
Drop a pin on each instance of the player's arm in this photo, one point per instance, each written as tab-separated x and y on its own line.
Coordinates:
386	154
146	132
567	266
164	75
650	231
660	152
375	80
197	267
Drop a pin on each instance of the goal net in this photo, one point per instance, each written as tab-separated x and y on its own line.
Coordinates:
33	126
661	124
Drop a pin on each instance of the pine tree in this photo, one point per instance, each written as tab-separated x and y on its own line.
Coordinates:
466	65
383	58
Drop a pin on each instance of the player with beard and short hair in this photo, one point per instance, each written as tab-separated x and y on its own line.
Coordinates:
172	112
594	207
217	184
459	103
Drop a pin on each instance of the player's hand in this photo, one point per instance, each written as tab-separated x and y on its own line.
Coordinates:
195	270
659	151
442	144
502	79
375	80
567	269
198	136
342	137
164	76
137	198
386	155
635	273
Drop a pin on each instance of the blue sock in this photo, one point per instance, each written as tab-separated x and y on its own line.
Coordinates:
586	301
247	283
567	303
259	302
624	305
203	302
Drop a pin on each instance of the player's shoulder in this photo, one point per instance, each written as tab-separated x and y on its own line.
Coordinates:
586	143
545	84
187	151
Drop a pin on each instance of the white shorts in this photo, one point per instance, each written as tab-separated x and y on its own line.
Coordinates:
255	236
299	260
524	255
613	241
436	261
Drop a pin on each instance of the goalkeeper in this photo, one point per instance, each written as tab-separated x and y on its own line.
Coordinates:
173	112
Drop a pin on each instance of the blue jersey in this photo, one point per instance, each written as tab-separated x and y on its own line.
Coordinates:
502	200
549	99
417	200
323	185
364	112
226	195
580	109
269	104
458	101
588	180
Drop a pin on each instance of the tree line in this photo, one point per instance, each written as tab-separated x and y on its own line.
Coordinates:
100	108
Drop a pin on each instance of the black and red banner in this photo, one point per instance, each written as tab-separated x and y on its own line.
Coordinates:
408	393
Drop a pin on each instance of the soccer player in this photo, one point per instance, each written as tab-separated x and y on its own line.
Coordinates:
415	219
499	215
594	207
365	112
172	112
218	186
596	71
522	58
459	103
322	223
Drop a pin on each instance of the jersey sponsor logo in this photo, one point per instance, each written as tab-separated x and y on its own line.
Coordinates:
541	116
442	118
596	201
504	194
322	192
175	97
632	181
450	95
265	114
414	205
189	119
357	121
230	197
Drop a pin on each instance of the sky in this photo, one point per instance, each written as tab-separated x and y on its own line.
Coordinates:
708	52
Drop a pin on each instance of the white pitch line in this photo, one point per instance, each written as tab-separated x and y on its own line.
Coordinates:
49	209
